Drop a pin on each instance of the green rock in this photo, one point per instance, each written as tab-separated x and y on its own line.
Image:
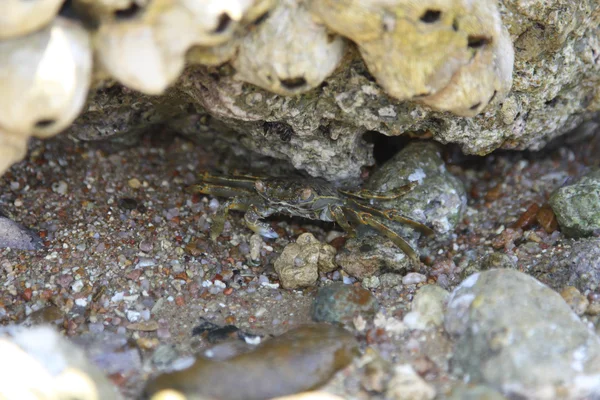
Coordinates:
340	303
577	206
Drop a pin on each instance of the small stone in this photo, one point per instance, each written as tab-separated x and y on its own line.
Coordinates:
498	260
144	326
371	282
427	308
342	303
299	263
577	301
406	384
77	286
163	333
478	392
133	315
256	243
82	302
127	203
134	183
390	280
60	187
146	246
367	255
412	278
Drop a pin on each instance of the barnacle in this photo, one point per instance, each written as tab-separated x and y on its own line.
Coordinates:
451	55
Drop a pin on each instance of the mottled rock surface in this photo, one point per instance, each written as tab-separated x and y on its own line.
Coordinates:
300	263
438	200
577	206
341	303
520	337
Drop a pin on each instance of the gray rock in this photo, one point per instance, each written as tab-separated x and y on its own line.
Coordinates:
438	201
518	336
577	206
368	255
578	265
341	303
16	236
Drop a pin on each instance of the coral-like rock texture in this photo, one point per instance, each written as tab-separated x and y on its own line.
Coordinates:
304	80
451	55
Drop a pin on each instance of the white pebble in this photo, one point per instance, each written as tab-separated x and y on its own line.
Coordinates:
77	286
133	316
413	278
81	302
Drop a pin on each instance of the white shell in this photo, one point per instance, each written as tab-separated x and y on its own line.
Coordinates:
19	17
44	79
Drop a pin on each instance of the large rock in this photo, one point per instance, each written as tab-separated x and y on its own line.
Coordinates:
520	337
300	359
438	200
429	56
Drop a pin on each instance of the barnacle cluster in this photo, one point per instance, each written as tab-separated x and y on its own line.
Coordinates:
451	55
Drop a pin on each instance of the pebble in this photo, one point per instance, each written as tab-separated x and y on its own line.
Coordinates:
427	308
412	278
298	360
577	301
134	183
300	262
371	282
145	326
127	203
367	256
60	187
342	303
406	384
77	286
499	316
133	315
146	246
256	243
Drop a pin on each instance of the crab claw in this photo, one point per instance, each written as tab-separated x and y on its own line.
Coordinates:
268	233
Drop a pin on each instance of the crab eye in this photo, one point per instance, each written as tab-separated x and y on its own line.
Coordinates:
260	186
306	194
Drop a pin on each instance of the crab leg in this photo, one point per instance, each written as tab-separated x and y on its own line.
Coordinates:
252	219
220	190
237	204
394	215
237	181
338	214
367	219
365	194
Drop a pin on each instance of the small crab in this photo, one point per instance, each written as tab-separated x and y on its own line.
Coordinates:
307	198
